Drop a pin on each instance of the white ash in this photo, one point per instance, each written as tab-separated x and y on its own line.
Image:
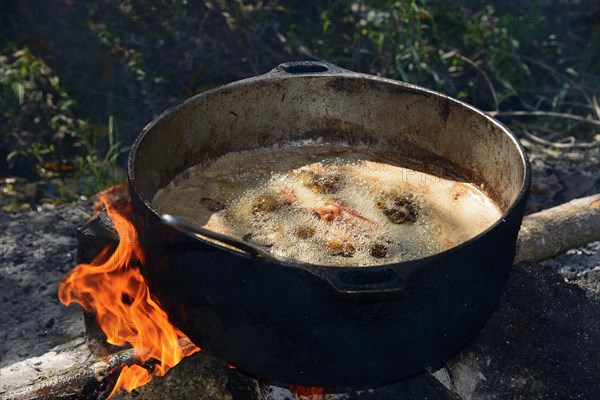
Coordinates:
576	263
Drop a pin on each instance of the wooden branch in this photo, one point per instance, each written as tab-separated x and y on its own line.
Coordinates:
542	114
79	375
553	231
561	144
560	75
485	77
68	373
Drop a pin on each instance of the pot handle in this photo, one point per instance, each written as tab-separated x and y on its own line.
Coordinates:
368	283
193	229
308	67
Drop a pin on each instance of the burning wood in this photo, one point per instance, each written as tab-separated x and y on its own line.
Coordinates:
308	392
72	372
113	288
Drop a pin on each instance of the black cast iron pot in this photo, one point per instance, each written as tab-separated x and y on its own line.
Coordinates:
322	325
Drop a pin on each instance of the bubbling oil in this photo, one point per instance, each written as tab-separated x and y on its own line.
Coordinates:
330	205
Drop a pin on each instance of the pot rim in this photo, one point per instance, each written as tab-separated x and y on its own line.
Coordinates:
403	268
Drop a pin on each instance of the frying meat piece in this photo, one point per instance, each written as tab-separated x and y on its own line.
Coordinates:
340	247
305	232
378	250
327	183
212	205
266	203
399	209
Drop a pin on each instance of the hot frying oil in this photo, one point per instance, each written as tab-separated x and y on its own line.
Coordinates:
330	205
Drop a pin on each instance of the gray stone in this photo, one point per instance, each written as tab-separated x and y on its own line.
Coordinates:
541	343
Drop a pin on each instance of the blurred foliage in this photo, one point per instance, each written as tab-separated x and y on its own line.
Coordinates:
44	142
37	119
71	72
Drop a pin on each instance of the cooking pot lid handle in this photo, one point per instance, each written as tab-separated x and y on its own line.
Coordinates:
367	283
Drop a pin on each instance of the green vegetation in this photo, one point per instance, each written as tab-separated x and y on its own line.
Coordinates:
71	72
50	153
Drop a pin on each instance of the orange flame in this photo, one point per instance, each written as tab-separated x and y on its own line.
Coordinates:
307	392
113	287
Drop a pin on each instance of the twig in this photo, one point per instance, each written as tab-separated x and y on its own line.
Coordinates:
596	106
485	76
570	145
569	139
552	133
541	99
566	78
543	114
579	104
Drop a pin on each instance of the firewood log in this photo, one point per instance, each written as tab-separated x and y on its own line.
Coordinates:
553	231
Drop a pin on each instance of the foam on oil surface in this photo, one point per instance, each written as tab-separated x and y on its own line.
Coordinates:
330	205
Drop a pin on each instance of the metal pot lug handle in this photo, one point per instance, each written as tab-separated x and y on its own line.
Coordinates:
308	67
368	283
187	227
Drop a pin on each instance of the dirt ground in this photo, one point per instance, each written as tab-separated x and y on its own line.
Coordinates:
37	249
